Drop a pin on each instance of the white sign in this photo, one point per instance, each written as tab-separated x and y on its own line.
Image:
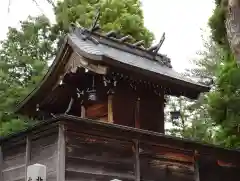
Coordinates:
36	172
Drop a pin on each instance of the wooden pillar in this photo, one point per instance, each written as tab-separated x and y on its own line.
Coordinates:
83	111
137	161
27	154
137	114
162	116
196	167
1	163
61	154
110	108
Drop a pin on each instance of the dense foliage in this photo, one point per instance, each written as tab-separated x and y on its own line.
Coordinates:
195	121
126	16
26	52
22	65
224	101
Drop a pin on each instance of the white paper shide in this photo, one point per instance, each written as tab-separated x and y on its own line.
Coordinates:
36	172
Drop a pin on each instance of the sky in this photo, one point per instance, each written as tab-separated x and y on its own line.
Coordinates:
182	22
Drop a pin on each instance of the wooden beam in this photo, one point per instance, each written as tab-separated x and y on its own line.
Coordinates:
27	154
110	108
1	163
137	161
61	154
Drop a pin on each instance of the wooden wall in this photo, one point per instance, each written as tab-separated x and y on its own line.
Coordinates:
151	108
13	158
95	155
94	151
92	157
151	112
99	154
38	147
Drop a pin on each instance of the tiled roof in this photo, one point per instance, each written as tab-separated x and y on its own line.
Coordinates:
116	52
127	54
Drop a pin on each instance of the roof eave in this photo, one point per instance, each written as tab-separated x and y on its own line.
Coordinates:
68	44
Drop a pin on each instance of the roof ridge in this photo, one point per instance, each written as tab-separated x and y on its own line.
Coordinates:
115	40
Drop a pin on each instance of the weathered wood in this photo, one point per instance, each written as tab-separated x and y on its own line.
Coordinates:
103	168
28	154
44	148
87	144
98	158
14	173
81	173
110	108
151	112
137	114
61	154
1	163
159	162
44	131
101	161
18	160
124	102
165	152
137	161
83	111
51	176
13	166
45	140
42	153
196	167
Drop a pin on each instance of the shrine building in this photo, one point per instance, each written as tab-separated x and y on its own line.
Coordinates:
100	112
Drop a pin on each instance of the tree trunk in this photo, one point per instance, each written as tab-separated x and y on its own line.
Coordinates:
233	27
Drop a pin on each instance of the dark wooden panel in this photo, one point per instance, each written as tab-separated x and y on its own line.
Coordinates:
44	151
19	159
210	170
44	140
100	165
73	175
124	102
40	153
61	154
14	173
27	154
51	176
161	163
98	158
167	152
157	169
13	162
151	112
11	152
99	148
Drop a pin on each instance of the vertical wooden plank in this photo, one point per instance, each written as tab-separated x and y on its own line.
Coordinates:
61	154
110	108
137	114
28	154
137	161
1	163
83	111
196	167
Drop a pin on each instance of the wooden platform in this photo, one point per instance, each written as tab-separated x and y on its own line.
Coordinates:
76	149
